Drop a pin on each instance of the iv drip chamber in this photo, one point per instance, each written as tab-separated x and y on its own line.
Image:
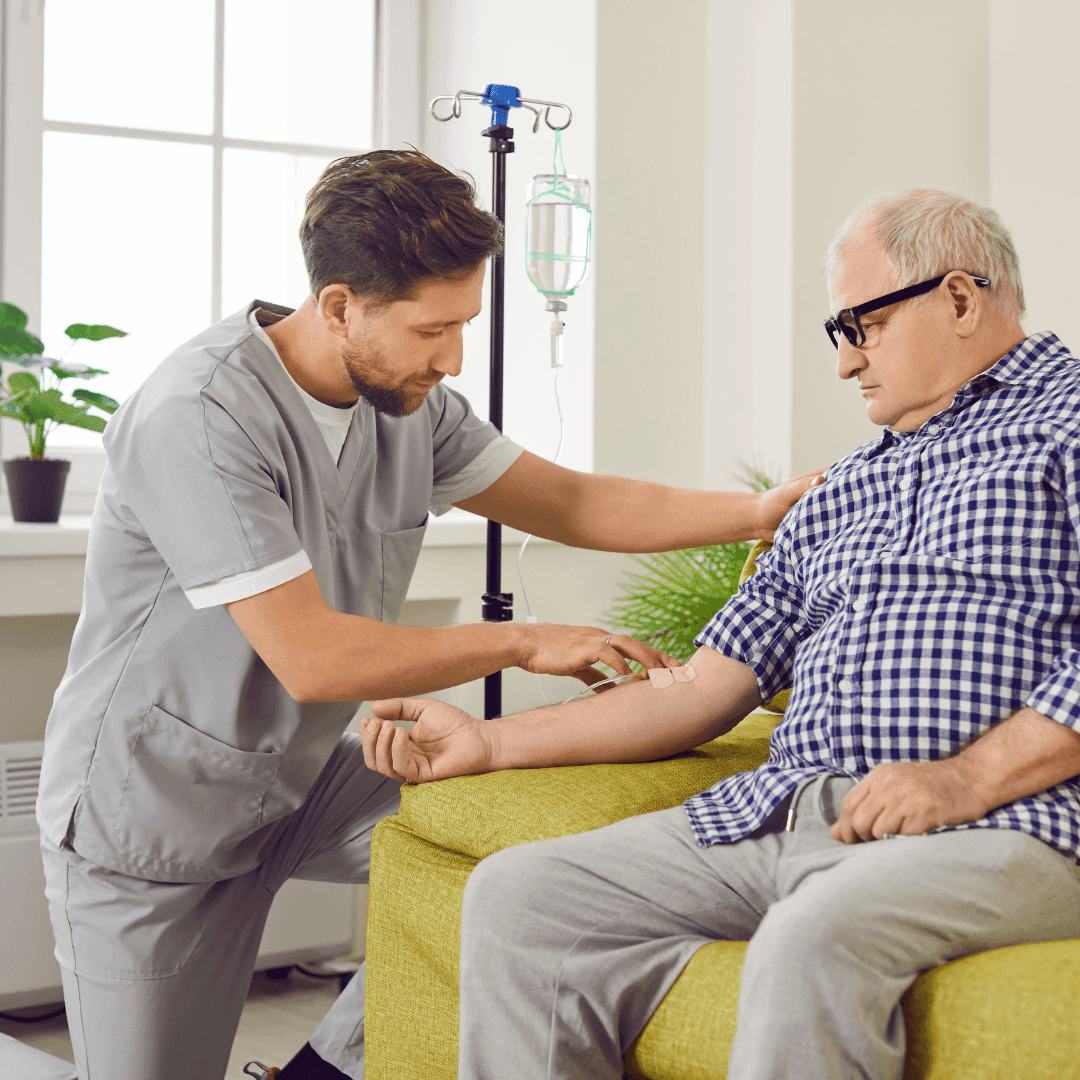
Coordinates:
558	233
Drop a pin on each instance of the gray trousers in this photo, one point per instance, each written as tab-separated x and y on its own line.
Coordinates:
569	945
155	973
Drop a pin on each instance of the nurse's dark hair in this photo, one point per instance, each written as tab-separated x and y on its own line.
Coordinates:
385	222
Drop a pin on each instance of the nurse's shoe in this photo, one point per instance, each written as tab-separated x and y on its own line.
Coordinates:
260	1071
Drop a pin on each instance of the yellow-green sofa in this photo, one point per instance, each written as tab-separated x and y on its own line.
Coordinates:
1006	1014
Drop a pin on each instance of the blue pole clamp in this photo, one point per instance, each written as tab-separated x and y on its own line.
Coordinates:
501	99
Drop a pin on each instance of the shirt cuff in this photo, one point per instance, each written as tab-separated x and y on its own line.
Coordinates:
226	590
1058	697
479	474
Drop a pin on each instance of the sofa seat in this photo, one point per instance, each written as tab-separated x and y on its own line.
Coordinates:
1006	1014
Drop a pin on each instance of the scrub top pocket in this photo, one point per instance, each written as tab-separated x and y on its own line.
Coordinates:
221	788
400	550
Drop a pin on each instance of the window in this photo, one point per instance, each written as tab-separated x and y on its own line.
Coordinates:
155	162
178	143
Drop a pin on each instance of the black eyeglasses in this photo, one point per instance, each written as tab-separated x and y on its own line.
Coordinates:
846	322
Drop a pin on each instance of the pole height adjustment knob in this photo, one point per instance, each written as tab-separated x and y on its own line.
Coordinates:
497	607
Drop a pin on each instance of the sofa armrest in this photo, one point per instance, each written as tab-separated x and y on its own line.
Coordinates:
478	815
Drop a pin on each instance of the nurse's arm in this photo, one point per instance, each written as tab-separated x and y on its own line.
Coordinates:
319	654
612	513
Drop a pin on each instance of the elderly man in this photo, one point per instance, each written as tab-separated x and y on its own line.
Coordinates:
921	800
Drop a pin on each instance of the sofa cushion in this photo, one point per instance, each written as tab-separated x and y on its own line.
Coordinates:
478	815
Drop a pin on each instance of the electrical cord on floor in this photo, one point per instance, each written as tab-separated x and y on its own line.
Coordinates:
530	617
32	1019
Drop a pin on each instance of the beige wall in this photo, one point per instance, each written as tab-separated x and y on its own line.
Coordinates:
1035	153
732	140
885	98
33	654
650	252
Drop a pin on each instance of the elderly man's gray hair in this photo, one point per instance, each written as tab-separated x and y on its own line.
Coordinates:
924	232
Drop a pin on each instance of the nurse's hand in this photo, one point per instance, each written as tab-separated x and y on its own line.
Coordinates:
572	650
774	504
443	742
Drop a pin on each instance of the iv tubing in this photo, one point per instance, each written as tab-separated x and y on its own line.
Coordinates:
524	543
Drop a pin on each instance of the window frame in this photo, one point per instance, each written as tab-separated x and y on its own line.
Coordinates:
397	120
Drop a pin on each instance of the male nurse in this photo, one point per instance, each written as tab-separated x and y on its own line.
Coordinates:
259	519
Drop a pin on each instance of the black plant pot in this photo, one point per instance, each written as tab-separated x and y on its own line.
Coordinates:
36	487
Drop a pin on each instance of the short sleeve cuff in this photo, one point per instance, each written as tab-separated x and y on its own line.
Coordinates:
760	638
1058	697
227	590
479	474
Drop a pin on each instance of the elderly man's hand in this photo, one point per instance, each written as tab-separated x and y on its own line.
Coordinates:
443	742
908	799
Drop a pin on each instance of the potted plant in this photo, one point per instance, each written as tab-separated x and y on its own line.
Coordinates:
34	397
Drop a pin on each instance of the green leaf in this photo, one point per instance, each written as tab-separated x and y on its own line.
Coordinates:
10	315
23	380
102	401
43	406
96	332
64	370
14	341
85	420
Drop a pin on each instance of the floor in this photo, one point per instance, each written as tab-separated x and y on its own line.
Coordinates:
278	1018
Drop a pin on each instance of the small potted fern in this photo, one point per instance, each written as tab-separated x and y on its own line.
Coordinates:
32	394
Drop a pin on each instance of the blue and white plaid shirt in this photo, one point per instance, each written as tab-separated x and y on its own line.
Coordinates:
928	590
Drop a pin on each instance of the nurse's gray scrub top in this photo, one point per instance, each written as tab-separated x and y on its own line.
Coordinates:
172	752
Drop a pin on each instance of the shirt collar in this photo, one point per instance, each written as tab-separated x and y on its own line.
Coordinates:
1027	364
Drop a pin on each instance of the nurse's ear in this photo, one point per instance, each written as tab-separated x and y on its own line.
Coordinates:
334	303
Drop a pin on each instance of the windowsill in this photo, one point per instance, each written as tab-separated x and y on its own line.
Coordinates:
25	539
69	535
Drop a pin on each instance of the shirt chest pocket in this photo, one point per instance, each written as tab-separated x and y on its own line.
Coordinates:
985	510
400	550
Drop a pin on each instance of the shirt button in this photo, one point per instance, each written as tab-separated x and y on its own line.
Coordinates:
904	484
846	685
934	429
858	605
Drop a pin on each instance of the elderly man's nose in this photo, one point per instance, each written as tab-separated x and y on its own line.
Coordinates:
849	360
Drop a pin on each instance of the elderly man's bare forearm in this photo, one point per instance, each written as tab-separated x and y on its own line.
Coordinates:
636	722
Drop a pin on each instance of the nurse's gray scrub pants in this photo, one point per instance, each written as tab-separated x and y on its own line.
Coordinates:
156	973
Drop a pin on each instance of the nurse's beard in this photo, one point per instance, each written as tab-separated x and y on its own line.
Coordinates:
365	363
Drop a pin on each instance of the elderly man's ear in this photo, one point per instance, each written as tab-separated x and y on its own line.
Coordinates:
967	304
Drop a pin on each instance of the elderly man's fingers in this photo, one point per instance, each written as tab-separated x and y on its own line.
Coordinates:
384	758
403	757
369	734
845	828
398	708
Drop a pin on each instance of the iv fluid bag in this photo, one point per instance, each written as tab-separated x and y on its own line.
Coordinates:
558	233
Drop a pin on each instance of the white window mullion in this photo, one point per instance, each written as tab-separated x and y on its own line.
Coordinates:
20	178
219	154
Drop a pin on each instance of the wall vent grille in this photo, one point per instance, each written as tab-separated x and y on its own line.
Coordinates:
20	771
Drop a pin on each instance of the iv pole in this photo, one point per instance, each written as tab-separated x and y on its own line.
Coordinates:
498	606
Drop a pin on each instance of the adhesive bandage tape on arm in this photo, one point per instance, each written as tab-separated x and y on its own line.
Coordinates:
661	677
